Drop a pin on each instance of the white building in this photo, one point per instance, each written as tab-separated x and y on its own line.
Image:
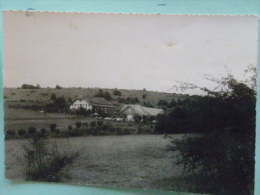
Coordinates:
81	103
96	104
131	110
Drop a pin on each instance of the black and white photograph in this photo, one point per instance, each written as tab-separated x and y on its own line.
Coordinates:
139	101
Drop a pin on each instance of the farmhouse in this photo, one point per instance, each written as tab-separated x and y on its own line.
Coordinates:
96	104
131	110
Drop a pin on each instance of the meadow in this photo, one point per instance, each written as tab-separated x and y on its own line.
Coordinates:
130	161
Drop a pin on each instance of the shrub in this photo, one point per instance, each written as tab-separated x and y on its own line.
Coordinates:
70	127
57	131
53	127
43	131
31	130
10	132
93	124
76	132
21	132
78	124
43	164
100	123
117	92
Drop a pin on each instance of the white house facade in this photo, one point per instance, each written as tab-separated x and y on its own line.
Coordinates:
81	103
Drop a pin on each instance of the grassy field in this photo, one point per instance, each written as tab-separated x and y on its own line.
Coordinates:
131	161
23	119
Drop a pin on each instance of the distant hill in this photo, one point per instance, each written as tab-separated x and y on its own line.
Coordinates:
43	95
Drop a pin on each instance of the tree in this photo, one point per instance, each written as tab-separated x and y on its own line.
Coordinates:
60	103
78	124
53	96
43	131
58	87
100	123
117	92
107	96
31	130
53	127
93	124
38	86
10	132
173	103
69	100
70	127
21	132
224	153
137	118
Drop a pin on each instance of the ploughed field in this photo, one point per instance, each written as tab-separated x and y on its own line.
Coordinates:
131	161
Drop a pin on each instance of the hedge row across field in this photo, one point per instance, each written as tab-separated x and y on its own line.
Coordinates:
80	129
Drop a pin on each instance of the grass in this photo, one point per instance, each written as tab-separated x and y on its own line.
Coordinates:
131	161
16	119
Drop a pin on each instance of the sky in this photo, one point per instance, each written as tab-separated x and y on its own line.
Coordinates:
124	51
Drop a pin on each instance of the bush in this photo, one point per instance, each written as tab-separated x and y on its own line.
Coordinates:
31	130
21	132
70	127
57	131
43	164
10	132
43	131
100	123
78	124
76	132
225	149
93	124
53	127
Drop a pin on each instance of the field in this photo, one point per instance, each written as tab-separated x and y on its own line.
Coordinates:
130	161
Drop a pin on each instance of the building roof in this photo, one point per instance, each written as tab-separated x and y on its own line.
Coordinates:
143	110
95	101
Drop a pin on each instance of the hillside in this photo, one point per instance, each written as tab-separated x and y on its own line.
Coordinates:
44	94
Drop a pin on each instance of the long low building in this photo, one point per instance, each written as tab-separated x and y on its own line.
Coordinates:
131	110
95	104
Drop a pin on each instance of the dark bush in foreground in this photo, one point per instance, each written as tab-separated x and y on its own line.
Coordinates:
225	149
43	164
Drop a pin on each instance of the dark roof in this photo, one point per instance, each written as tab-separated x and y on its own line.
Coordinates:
95	101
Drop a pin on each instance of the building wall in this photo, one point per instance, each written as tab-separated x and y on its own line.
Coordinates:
81	103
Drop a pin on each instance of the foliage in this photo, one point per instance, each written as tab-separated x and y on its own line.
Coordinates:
93	124
100	123
43	131
28	86
137	118
10	132
58	87
21	132
225	149
60	103
31	130
43	164
117	92
83	111
70	127
53	127
78	124
105	95
53	96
